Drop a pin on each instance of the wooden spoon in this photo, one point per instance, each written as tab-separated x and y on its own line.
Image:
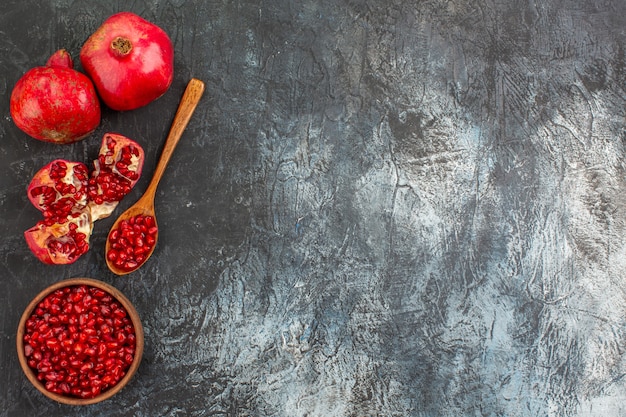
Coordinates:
145	205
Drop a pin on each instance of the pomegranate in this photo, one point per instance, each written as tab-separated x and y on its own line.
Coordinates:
71	199
130	60
132	241
116	171
55	103
80	341
59	191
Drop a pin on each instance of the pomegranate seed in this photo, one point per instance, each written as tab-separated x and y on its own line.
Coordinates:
77	357
64	388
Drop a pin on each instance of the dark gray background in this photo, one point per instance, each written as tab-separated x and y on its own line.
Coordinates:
380	208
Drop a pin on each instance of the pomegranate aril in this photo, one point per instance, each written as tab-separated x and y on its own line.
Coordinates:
117	310
67	308
109	379
52	344
120	338
86	367
45	336
64	388
42	368
53	376
105	310
90	331
112	255
79	348
97	292
105	330
130	265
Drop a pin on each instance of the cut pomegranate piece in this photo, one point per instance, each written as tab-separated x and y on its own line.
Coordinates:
60	242
116	171
59	191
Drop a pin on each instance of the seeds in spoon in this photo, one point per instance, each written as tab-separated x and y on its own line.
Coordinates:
131	242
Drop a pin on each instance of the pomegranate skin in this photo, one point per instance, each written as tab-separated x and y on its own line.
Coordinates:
130	60
55	103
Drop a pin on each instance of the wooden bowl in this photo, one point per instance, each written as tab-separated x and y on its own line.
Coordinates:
130	372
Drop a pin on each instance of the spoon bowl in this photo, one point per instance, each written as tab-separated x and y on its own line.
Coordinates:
145	205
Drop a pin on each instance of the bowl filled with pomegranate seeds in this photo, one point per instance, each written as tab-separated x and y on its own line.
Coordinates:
80	341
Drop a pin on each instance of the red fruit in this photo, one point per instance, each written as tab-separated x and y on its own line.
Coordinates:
71	200
65	363
59	191
130	60
116	171
131	241
55	103
60	243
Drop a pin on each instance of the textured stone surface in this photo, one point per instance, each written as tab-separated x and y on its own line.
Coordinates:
380	208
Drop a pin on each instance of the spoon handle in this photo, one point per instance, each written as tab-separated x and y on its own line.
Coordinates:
187	105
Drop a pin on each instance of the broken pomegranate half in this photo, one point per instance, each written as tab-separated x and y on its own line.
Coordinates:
115	173
59	191
71	199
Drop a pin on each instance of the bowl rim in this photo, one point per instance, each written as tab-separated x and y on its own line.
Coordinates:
135	319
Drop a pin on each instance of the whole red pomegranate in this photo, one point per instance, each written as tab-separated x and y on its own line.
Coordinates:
55	103
71	199
130	60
